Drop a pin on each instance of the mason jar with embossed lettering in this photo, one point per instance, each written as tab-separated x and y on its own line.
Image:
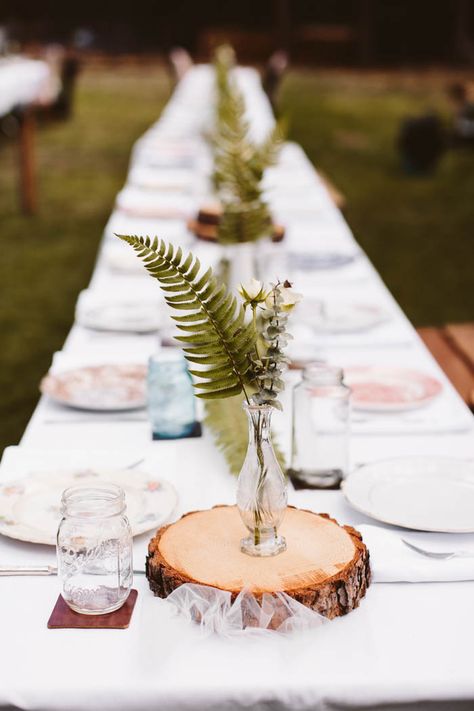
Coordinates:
94	549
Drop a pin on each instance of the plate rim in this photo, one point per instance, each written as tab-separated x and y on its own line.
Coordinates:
89	408
377	406
418	457
4	528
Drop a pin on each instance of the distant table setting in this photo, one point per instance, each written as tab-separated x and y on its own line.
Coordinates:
329	593
24	84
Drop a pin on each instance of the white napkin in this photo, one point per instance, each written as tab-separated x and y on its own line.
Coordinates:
392	561
443	415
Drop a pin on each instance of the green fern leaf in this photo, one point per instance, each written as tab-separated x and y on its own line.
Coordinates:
215	331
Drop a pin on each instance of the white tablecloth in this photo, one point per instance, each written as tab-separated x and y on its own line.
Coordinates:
407	646
22	82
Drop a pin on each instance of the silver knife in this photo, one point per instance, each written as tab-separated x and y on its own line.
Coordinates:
38	570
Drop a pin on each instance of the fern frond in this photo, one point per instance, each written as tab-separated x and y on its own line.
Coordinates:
215	331
239	164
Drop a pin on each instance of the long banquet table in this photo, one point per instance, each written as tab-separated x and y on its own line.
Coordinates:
408	645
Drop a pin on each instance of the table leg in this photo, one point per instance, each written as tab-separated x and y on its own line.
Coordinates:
28	195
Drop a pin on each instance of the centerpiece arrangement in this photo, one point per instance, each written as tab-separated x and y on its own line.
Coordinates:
238	349
239	216
233	331
238	219
235	349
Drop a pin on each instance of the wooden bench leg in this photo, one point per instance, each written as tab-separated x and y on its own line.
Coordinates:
27	167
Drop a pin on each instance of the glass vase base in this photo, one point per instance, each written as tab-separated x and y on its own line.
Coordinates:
264	549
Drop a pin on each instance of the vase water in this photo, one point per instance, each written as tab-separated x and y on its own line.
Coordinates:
261	488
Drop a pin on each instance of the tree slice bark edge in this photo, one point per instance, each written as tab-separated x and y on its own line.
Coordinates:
336	596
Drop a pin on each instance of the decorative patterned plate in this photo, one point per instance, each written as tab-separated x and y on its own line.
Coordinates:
111	387
387	389
30	507
422	493
340	317
127	316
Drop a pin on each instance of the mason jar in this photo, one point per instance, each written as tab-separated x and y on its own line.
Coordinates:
171	402
94	549
320	428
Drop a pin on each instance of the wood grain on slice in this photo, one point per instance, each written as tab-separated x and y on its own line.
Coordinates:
325	566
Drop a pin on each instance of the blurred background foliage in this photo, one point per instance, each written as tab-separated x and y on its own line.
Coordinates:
418	231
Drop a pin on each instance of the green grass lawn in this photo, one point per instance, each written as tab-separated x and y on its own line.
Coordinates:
46	260
418	232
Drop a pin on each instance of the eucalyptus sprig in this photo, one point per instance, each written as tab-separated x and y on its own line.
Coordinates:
270	310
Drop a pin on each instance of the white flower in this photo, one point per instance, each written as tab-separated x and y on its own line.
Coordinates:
253	292
288	298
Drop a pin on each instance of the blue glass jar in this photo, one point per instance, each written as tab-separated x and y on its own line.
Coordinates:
171	404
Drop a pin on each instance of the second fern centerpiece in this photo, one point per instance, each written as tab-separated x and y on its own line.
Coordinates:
234	348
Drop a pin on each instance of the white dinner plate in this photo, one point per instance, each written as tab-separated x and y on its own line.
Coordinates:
110	387
390	389
127	316
340	317
30	507
314	261
421	493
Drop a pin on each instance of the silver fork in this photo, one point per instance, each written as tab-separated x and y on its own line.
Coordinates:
438	555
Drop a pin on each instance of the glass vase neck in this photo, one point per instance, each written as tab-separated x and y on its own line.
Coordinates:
259	419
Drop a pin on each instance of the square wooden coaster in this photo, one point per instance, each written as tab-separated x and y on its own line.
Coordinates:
62	617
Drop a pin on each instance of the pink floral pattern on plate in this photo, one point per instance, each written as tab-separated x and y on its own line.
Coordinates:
388	388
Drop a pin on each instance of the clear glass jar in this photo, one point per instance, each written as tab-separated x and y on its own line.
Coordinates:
320	432
171	402
94	549
261	488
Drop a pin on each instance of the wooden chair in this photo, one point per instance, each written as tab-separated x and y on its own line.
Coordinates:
273	75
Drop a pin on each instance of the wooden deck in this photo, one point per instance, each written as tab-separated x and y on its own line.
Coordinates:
453	347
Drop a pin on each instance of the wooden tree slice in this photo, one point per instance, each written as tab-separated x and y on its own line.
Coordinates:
325	566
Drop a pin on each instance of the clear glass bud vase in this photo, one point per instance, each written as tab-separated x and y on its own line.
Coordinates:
238	264
261	488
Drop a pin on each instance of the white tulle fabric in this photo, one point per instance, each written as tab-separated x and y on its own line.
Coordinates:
215	613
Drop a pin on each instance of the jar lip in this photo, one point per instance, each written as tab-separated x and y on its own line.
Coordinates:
168	356
88	501
324	374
